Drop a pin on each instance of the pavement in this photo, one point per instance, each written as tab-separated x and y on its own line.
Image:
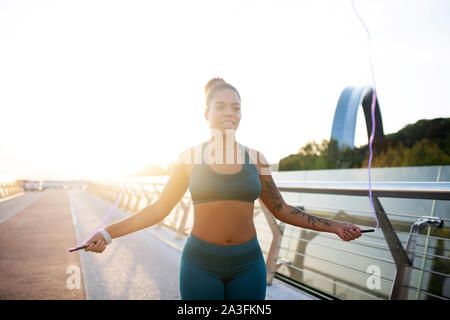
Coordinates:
35	232
37	228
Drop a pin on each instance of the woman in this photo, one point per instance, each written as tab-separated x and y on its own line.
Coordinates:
221	258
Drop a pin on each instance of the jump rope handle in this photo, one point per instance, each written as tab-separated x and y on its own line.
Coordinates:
78	248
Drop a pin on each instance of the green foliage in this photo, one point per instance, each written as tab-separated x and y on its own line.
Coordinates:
425	143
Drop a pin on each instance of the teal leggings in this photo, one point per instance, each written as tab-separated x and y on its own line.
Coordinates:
215	272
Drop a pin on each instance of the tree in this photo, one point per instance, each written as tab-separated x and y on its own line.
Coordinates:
425	143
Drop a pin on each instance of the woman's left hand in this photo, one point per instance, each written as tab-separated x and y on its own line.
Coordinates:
347	231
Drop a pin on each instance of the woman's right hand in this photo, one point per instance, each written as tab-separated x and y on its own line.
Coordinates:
96	243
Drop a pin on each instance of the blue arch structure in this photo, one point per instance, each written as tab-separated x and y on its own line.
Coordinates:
344	123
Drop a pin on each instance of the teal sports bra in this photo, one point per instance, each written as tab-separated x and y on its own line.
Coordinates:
206	185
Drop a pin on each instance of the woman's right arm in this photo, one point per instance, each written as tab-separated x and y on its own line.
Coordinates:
172	193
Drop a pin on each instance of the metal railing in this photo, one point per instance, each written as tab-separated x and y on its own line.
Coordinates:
9	189
139	195
403	258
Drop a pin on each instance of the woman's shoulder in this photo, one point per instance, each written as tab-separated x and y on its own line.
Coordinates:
256	157
188	155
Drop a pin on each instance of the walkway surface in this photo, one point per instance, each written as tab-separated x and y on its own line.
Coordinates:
35	232
37	228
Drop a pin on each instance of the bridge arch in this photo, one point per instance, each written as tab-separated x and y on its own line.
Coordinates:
344	122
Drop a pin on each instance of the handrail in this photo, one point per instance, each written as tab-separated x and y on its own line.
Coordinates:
414	190
369	212
402	258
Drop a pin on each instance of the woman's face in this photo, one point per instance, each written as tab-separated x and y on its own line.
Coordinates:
224	112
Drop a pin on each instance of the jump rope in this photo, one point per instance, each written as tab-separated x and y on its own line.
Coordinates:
105	218
374	98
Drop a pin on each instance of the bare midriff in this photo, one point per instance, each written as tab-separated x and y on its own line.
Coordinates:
224	222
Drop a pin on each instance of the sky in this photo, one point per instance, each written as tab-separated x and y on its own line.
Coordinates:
104	88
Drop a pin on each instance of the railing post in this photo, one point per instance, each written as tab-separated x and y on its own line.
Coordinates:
130	194
138	195
277	232
148	199
124	196
10	188
403	276
396	248
109	192
116	194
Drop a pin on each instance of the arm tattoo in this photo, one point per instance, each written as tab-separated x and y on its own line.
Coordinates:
276	204
311	219
273	195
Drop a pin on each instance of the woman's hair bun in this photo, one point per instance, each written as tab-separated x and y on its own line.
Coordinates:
212	83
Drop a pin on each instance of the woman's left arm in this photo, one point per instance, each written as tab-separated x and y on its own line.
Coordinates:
274	202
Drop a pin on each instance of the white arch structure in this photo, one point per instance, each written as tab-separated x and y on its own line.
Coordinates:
344	123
